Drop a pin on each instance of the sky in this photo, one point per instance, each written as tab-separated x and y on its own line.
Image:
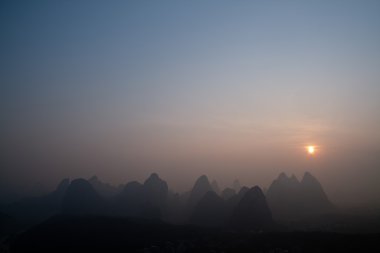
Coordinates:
231	89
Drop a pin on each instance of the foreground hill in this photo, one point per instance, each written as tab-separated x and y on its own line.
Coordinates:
101	234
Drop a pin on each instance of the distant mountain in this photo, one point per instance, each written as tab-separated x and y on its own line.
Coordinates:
235	199
82	199
200	188
104	189
252	212
291	199
33	210
156	190
315	198
141	200
228	193
215	186
210	211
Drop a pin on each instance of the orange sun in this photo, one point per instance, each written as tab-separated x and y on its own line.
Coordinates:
310	150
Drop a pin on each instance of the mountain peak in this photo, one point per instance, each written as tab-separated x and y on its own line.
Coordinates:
200	188
154	176
202	179
257	190
294	179
156	190
307	177
252	212
80	197
282	176
209	211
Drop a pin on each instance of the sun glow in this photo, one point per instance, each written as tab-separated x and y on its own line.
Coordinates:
310	149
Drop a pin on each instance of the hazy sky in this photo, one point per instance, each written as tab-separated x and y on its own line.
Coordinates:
232	89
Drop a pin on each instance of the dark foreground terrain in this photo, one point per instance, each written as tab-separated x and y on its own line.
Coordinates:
104	234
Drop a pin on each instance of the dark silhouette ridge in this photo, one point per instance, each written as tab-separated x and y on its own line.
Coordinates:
62	187
252	212
232	202
215	187
228	193
243	191
104	189
133	202
32	210
290	199
287	197
81	199
101	234
200	188
318	201
210	211
156	190
104	234
148	200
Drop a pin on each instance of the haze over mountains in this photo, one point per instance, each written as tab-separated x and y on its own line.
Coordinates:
95	216
205	204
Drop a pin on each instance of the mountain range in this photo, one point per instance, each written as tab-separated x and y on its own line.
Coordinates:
237	207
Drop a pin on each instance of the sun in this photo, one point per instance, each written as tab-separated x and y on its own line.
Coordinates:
310	149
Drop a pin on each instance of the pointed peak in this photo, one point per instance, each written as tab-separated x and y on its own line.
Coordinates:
308	176
154	175
294	178
203	178
80	184
282	176
253	193
257	190
153	178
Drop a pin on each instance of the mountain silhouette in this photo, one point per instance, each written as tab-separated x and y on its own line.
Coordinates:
252	212
133	201
104	189
215	186
315	198
210	211
228	193
291	199
33	210
81	199
156	190
200	188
